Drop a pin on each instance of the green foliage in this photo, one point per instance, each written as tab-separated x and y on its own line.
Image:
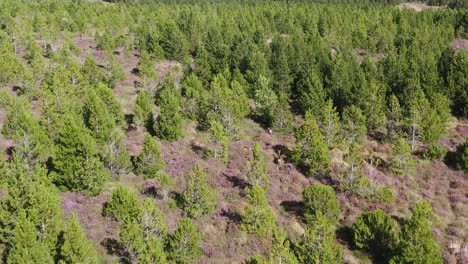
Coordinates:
183	245
283	118
25	244
258	218
92	72
219	141
317	244
146	69
319	198
97	119
76	163
143	110
110	103
311	151
199	198
376	232
461	156
123	205
417	243
354	124
434	151
115	71
394	117
311	95
258	174
170	121
74	246
149	162
401	157
330	125
265	101
280	250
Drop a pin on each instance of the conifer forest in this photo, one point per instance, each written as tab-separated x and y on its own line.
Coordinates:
233	131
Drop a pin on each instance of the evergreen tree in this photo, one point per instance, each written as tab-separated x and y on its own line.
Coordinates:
418	108
25	246
376	232
123	205
143	110
110	103
199	197
317	245
280	250
461	156
330	125
311	151
219	140
183	245
353	172
115	71
283	117
354	124
320	198
98	120
265	101
170	122
92	72
74	246
394	117
311	95
258	173
146	70
76	163
115	156
401	157
417	243
258	218
149	162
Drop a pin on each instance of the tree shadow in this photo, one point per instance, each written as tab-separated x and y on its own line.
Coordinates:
232	216
344	234
237	182
116	248
284	152
294	207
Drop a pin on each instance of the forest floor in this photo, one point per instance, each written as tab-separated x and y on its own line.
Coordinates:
222	238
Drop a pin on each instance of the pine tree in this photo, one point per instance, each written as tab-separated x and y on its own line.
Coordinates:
74	246
401	157
354	124
417	243
131	235
311	95
258	174
280	250
170	122
265	101
320	198
149	162
330	125
219	140
152	220
394	117
283	118
115	156
183	245
92	72
311	151
110	102
146	69
258	218
115	71
143	108
123	205
97	119
25	247
76	163
317	244
418	107
199	197
353	172
461	156
376	232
